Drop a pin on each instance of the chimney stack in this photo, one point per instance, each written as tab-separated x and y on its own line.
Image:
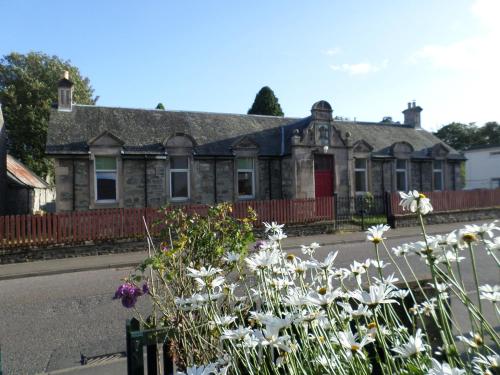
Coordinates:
65	93
412	115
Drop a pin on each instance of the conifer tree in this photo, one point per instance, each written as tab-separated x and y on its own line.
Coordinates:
266	103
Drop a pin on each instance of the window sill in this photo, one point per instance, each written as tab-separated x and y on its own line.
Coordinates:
246	197
179	199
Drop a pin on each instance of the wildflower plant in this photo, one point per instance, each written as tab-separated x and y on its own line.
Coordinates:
272	312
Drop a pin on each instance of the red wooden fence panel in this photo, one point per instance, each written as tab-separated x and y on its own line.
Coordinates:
75	227
443	201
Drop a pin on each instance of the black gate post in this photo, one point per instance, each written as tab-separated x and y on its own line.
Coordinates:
362	213
388	210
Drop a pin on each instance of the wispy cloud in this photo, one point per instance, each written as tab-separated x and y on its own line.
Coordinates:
473	62
360	68
478	53
332	51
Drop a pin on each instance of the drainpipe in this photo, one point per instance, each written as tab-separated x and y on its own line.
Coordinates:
215	180
421	177
73	184
383	177
145	181
269	176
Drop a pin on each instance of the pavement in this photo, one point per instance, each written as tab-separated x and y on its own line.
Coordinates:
117	366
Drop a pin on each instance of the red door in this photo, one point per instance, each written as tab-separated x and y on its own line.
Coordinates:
323	175
323	184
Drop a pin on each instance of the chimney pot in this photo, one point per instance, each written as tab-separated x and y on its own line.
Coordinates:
409	105
414	104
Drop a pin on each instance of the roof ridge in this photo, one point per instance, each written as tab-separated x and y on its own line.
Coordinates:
186	111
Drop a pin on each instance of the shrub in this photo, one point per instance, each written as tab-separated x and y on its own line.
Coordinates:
303	315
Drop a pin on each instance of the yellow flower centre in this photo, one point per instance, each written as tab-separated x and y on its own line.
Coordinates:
322	291
469	237
421	196
372	325
354	347
376	240
478	340
290	257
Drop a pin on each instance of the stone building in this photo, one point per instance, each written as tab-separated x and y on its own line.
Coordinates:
119	157
3	164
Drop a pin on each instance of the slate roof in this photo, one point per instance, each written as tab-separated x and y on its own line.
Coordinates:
145	131
381	136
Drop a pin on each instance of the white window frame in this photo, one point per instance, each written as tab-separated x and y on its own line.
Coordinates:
180	170
401	170
365	170
436	170
108	171
246	170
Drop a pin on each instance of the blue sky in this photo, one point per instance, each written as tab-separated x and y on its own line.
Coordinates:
367	58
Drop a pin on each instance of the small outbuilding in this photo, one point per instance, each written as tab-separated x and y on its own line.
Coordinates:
26	192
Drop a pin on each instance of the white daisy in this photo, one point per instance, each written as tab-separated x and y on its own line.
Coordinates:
378	294
443	369
375	233
414	346
348	341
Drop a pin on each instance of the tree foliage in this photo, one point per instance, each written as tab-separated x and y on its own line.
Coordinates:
464	136
266	103
160	106
28	88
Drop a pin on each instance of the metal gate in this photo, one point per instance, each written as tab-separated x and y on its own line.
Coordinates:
361	211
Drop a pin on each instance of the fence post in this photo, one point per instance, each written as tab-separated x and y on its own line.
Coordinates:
363	212
391	220
168	361
135	357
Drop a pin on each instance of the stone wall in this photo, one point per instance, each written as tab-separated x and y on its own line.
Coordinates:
124	246
155	172
480	214
288	178
64	184
82	188
133	183
225	180
202	181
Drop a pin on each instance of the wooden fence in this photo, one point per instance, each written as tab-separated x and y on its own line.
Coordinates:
460	200
109	224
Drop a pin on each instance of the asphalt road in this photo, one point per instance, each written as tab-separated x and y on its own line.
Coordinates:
47	321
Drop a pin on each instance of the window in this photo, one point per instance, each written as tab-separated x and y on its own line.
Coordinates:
437	172
245	171
105	178
179	177
495	183
360	175
401	176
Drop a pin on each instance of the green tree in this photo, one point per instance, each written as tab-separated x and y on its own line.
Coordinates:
28	88
459	136
266	103
160	106
489	133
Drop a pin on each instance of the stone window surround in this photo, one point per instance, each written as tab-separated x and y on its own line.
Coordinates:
252	154
105	151
169	176
407	171
179	144
442	170
367	173
115	171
